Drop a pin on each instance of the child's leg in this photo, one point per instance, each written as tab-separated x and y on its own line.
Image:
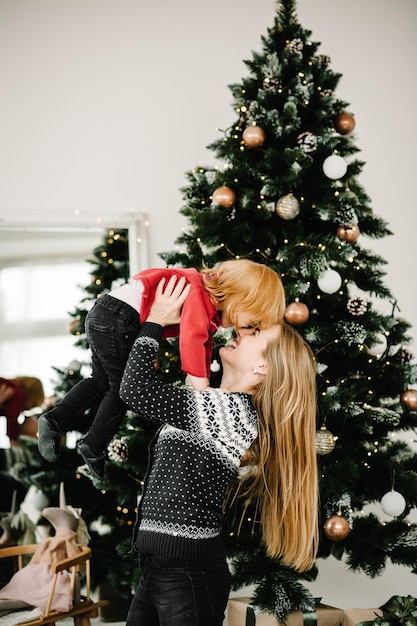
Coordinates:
111	346
70	412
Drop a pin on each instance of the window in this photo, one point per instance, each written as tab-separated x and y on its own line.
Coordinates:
35	302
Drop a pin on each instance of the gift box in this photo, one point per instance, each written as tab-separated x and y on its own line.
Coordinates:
241	613
351	617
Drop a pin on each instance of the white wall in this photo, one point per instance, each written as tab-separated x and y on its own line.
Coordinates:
105	104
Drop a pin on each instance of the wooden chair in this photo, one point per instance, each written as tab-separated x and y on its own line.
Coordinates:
84	608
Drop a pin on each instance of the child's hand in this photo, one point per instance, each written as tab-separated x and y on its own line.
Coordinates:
166	308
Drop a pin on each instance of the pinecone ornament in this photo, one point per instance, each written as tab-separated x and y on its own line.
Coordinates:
118	450
357	306
295	46
307	142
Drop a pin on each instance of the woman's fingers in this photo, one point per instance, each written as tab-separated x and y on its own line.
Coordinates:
169	298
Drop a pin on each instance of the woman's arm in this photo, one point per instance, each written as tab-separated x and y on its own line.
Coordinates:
141	388
227	418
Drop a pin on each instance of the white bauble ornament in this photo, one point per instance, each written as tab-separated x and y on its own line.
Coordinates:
329	281
215	366
379	346
334	167
393	503
74	365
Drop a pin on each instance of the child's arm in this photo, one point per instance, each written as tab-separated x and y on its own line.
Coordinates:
198	384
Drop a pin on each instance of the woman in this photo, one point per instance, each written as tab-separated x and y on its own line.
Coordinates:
239	293
267	401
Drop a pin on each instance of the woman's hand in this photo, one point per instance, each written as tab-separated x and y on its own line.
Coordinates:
166	308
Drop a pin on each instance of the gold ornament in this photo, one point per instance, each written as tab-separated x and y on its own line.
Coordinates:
325	441
409	399
254	136
287	207
74	327
247	458
224	196
344	123
336	528
348	233
297	313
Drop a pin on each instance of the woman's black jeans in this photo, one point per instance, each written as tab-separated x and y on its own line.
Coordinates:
111	327
180	593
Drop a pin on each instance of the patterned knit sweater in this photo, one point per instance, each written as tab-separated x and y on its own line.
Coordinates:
193	457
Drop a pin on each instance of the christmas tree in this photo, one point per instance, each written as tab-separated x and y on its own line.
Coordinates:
103	510
286	191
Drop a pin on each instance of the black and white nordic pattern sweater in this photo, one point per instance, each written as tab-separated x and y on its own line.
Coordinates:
193	457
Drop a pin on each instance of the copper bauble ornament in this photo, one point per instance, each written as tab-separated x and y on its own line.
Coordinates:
254	136
224	196
344	123
336	528
74	327
409	399
297	313
348	233
325	441
287	207
247	458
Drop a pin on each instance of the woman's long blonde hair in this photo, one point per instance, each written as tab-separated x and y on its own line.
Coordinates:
284	478
243	285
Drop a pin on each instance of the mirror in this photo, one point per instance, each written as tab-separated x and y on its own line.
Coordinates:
42	274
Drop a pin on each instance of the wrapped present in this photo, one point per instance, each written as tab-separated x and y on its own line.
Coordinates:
241	613
352	617
398	610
